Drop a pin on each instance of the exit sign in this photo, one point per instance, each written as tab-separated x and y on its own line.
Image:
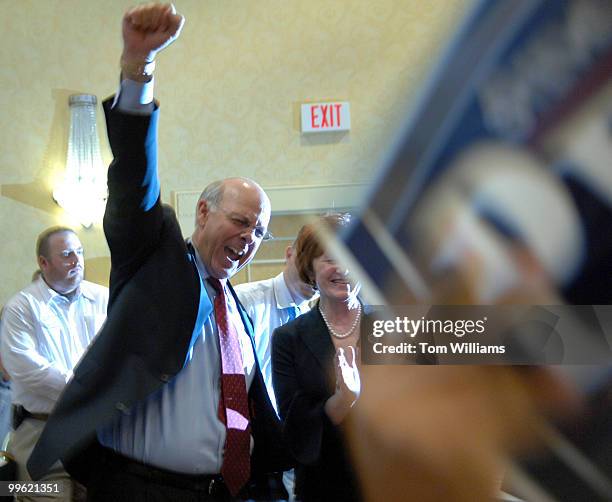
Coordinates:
326	117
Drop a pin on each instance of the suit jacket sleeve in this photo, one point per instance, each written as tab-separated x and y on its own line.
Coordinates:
133	216
301	393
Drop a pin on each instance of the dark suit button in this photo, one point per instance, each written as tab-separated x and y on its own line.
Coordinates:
164	377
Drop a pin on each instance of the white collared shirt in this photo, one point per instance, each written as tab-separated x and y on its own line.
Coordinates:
43	337
268	303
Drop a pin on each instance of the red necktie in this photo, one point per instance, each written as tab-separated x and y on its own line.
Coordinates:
236	468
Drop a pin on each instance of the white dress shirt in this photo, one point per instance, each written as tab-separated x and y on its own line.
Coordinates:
269	304
44	335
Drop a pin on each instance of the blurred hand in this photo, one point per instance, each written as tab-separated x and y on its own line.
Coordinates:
148	29
447	432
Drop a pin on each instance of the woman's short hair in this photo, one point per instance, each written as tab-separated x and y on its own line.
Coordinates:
308	244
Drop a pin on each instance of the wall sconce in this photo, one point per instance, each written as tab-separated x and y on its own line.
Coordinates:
82	192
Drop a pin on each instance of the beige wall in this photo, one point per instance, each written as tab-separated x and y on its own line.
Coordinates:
229	90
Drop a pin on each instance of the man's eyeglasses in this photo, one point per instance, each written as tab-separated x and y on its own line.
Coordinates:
243	223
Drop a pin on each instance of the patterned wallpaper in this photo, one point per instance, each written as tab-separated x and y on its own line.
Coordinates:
230	90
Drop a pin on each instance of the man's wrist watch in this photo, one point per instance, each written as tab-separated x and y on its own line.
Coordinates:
137	70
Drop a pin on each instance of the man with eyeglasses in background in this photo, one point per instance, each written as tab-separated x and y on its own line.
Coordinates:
46	328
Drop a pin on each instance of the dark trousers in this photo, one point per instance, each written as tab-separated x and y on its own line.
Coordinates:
123	480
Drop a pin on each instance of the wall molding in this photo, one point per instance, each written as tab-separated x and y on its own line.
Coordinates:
297	199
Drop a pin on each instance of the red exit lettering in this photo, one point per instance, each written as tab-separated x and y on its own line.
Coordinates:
325	116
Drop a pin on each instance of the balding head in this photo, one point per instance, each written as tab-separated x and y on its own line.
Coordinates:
232	218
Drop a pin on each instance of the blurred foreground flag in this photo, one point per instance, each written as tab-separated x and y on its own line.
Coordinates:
503	173
510	142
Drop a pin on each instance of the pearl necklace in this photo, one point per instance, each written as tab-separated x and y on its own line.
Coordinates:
333	332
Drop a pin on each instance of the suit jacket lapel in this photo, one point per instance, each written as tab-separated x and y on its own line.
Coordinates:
258	387
315	336
248	326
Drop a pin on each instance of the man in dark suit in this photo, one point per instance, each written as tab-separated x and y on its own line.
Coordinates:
169	400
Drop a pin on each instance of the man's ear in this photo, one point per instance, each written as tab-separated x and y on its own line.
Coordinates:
42	263
202	211
288	253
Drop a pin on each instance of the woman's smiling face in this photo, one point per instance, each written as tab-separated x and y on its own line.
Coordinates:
332	280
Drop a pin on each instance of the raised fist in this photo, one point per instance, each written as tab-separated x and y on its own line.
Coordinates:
147	29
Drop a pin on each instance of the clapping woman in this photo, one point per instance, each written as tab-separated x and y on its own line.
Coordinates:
315	367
